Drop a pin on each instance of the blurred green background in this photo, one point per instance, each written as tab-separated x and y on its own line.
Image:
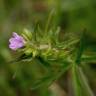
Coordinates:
70	15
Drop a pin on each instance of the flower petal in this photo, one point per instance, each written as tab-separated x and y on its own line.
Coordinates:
16	41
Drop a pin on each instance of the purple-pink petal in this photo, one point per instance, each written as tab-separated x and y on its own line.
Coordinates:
16	41
15	34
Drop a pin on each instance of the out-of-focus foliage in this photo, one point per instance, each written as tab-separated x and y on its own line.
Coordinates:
72	16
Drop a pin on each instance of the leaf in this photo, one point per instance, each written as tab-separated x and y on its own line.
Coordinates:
81	47
76	82
49	21
54	35
40	82
85	82
57	34
80	83
42	61
50	78
23	57
88	59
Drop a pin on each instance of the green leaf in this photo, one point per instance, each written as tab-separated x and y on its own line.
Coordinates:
40	82
88	59
50	78
48	21
22	57
76	82
84	82
43	62
80	83
57	34
81	47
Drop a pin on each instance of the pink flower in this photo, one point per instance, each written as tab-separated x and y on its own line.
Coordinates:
16	41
